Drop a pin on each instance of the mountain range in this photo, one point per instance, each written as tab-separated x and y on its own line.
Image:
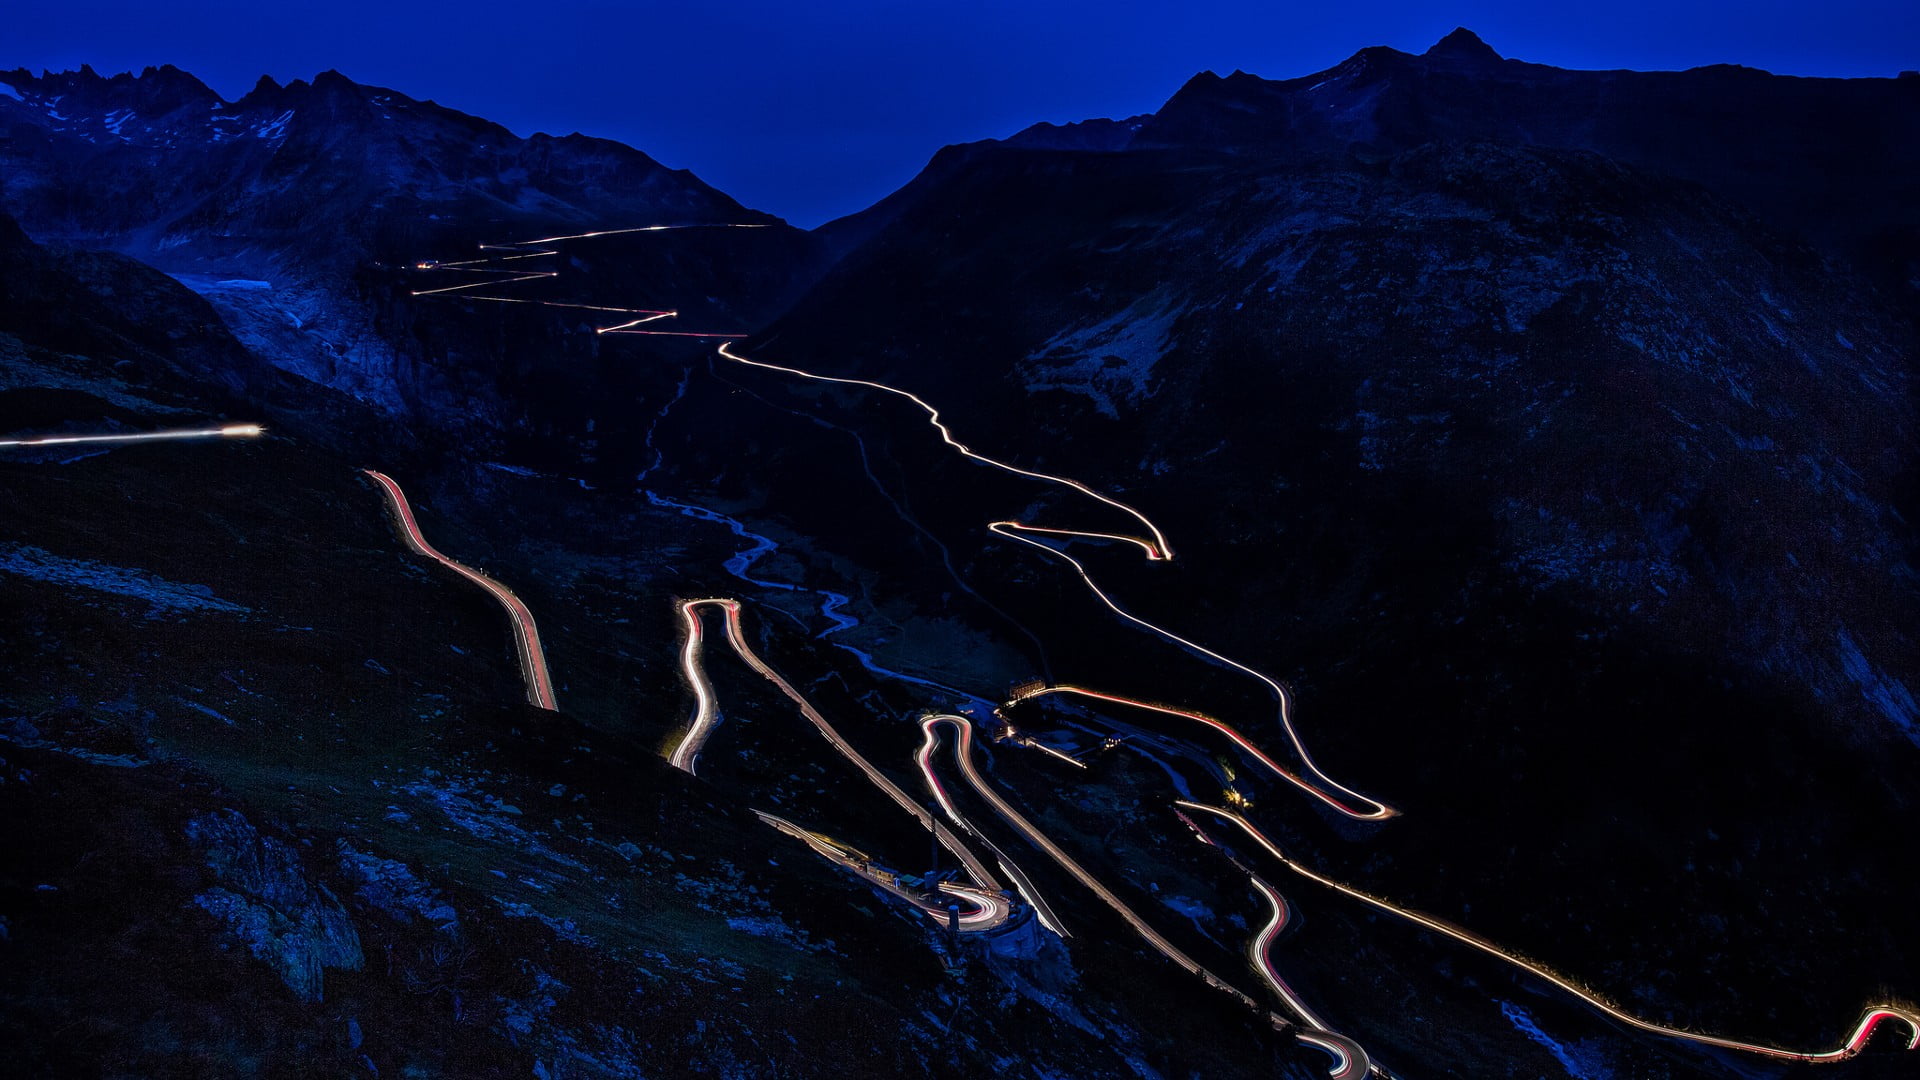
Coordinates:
1551	434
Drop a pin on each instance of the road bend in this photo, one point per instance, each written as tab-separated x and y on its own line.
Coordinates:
963	754
1871	1018
494	275
1350	1060
706	714
1341	798
526	636
1157	548
1154	544
1326	788
980	909
1235	737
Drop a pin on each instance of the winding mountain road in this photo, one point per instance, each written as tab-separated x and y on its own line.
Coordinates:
705	716
1350	1061
526	636
963	755
1235	737
1873	1016
981	909
493	275
1157	549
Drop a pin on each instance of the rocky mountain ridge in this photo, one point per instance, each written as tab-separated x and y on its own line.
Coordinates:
1569	491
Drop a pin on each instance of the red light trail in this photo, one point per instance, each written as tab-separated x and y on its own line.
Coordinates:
1157	549
963	755
1350	1060
706	715
526	636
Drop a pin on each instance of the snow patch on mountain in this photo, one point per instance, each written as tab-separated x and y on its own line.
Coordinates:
1581	1060
1111	361
1884	692
163	596
303	330
275	128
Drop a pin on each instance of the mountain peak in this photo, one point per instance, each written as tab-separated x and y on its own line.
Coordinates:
1462	44
331	81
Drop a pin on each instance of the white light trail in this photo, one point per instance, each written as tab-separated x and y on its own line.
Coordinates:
534	249
705	714
983	909
702	726
526	636
1158	549
1374	810
963	755
637	229
710	334
1872	1018
1238	740
634	323
533	276
229	431
1350	1062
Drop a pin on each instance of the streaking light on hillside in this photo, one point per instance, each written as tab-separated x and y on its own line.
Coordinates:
526	635
1871	1018
229	431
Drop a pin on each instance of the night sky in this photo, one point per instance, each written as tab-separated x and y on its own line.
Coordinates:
815	109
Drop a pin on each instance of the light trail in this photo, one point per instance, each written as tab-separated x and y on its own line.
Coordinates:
985	910
1158	549
669	333
963	754
1350	1059
535	249
705	713
924	758
1372	809
1350	1062
1260	953
702	726
533	276
483	261
630	325
229	431
1034	744
526	636
1871	1019
1238	740
639	229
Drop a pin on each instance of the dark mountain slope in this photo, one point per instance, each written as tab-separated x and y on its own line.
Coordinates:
292	209
275	808
1576	499
1836	159
332	171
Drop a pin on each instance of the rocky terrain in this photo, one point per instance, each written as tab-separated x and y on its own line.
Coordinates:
1551	434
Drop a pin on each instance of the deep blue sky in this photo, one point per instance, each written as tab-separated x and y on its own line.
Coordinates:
815	108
